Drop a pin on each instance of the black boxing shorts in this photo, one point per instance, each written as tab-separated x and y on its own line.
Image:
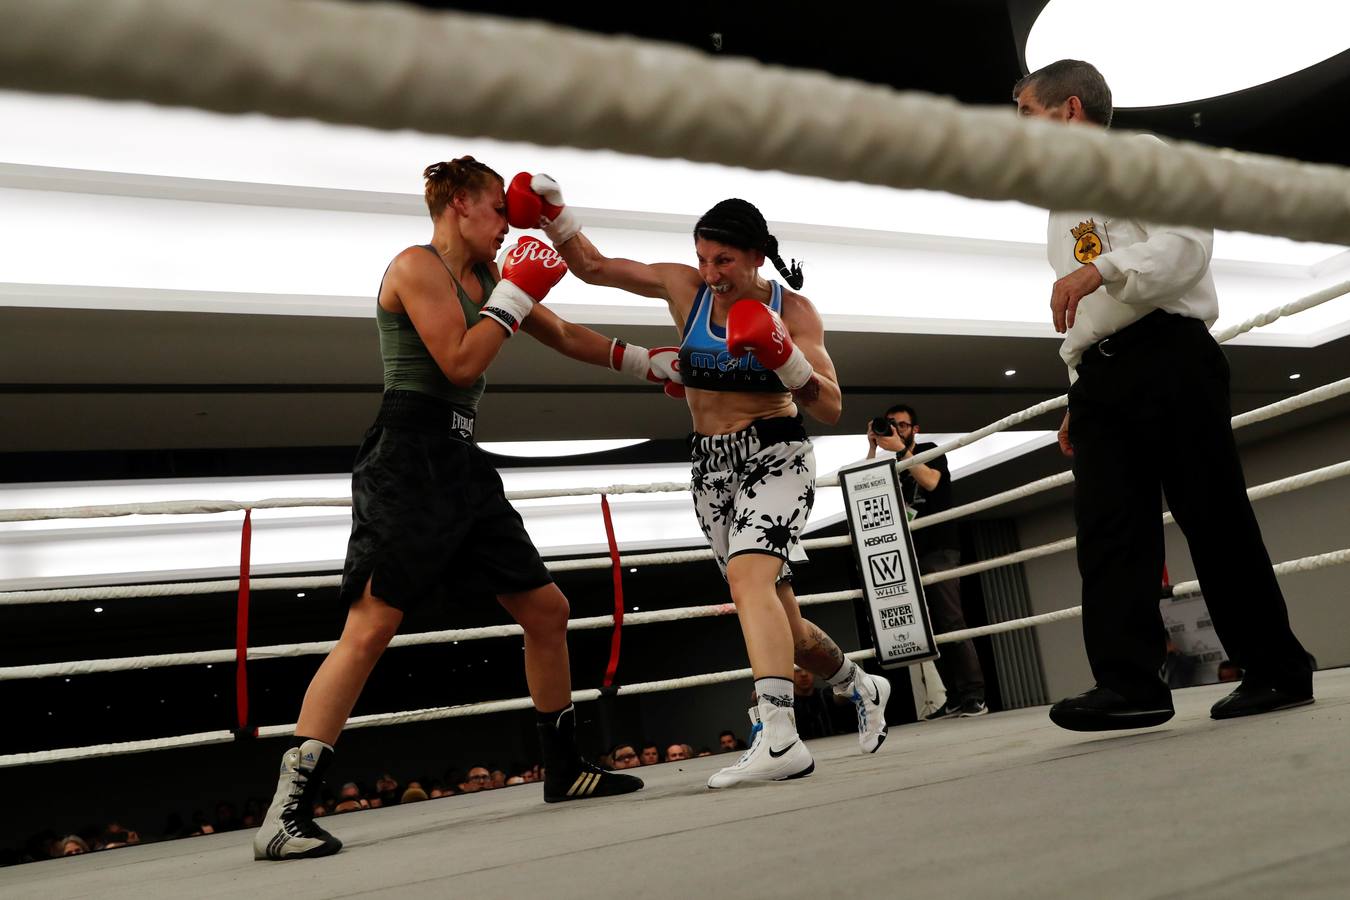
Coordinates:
429	513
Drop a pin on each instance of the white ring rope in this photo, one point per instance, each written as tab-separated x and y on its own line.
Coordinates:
1181	589
313	648
1306	564
124	592
84	667
1269	489
417	715
166	589
1260	414
519	81
184	507
1316	298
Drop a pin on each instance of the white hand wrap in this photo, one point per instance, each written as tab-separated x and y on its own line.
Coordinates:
796	371
562	229
508	306
564	226
631	359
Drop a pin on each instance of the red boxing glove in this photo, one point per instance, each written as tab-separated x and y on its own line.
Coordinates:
529	269
660	365
754	328
536	201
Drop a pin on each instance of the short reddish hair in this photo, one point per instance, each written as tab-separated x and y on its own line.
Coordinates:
446	179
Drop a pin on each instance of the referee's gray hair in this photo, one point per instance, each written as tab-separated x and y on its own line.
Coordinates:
1067	78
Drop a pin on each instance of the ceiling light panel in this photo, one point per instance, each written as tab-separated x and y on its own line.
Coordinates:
82	133
1160	52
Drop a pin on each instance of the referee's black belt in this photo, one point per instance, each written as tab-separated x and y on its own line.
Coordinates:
1153	327
415	411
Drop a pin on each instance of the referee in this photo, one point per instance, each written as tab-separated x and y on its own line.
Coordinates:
1135	301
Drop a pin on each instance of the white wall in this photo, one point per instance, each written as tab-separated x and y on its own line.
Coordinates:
1300	523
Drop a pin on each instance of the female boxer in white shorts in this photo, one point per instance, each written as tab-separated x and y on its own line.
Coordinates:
752	355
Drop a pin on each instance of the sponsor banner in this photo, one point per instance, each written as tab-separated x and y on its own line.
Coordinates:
901	629
1189	628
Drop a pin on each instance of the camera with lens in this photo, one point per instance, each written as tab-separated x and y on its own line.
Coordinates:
882	427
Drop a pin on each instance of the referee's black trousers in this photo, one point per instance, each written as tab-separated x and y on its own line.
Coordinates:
1154	414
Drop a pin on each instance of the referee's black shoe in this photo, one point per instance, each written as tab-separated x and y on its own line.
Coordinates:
1252	698
1102	709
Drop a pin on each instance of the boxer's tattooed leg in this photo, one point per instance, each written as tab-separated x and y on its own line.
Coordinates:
816	652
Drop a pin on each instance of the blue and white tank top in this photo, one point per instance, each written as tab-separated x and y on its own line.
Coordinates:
705	362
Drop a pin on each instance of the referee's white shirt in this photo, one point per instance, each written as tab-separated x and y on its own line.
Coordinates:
1144	267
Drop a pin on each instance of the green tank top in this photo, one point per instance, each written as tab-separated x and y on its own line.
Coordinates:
409	366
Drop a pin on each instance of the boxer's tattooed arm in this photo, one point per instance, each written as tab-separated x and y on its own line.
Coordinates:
816	653
809	392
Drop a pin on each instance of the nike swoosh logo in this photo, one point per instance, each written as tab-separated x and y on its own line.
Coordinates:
777	753
876	696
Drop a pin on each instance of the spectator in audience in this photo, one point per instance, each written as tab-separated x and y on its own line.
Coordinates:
727	742
819	713
704	751
117	835
623	756
92	835
1229	671
498	779
200	825
387	789
226	817
114	839
413	794
514	780
73	845
480	779
651	754
253	812
927	489
676	753
350	799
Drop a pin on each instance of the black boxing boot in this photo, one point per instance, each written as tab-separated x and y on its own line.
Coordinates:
566	775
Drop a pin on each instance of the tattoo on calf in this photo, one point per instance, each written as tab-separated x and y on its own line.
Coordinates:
817	647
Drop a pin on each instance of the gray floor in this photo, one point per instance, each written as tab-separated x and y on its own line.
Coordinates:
1004	806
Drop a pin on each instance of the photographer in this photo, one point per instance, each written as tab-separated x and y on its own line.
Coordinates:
928	489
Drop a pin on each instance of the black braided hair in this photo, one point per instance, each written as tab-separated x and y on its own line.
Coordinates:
739	223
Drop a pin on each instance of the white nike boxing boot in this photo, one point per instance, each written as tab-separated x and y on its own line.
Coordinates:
776	752
869	694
